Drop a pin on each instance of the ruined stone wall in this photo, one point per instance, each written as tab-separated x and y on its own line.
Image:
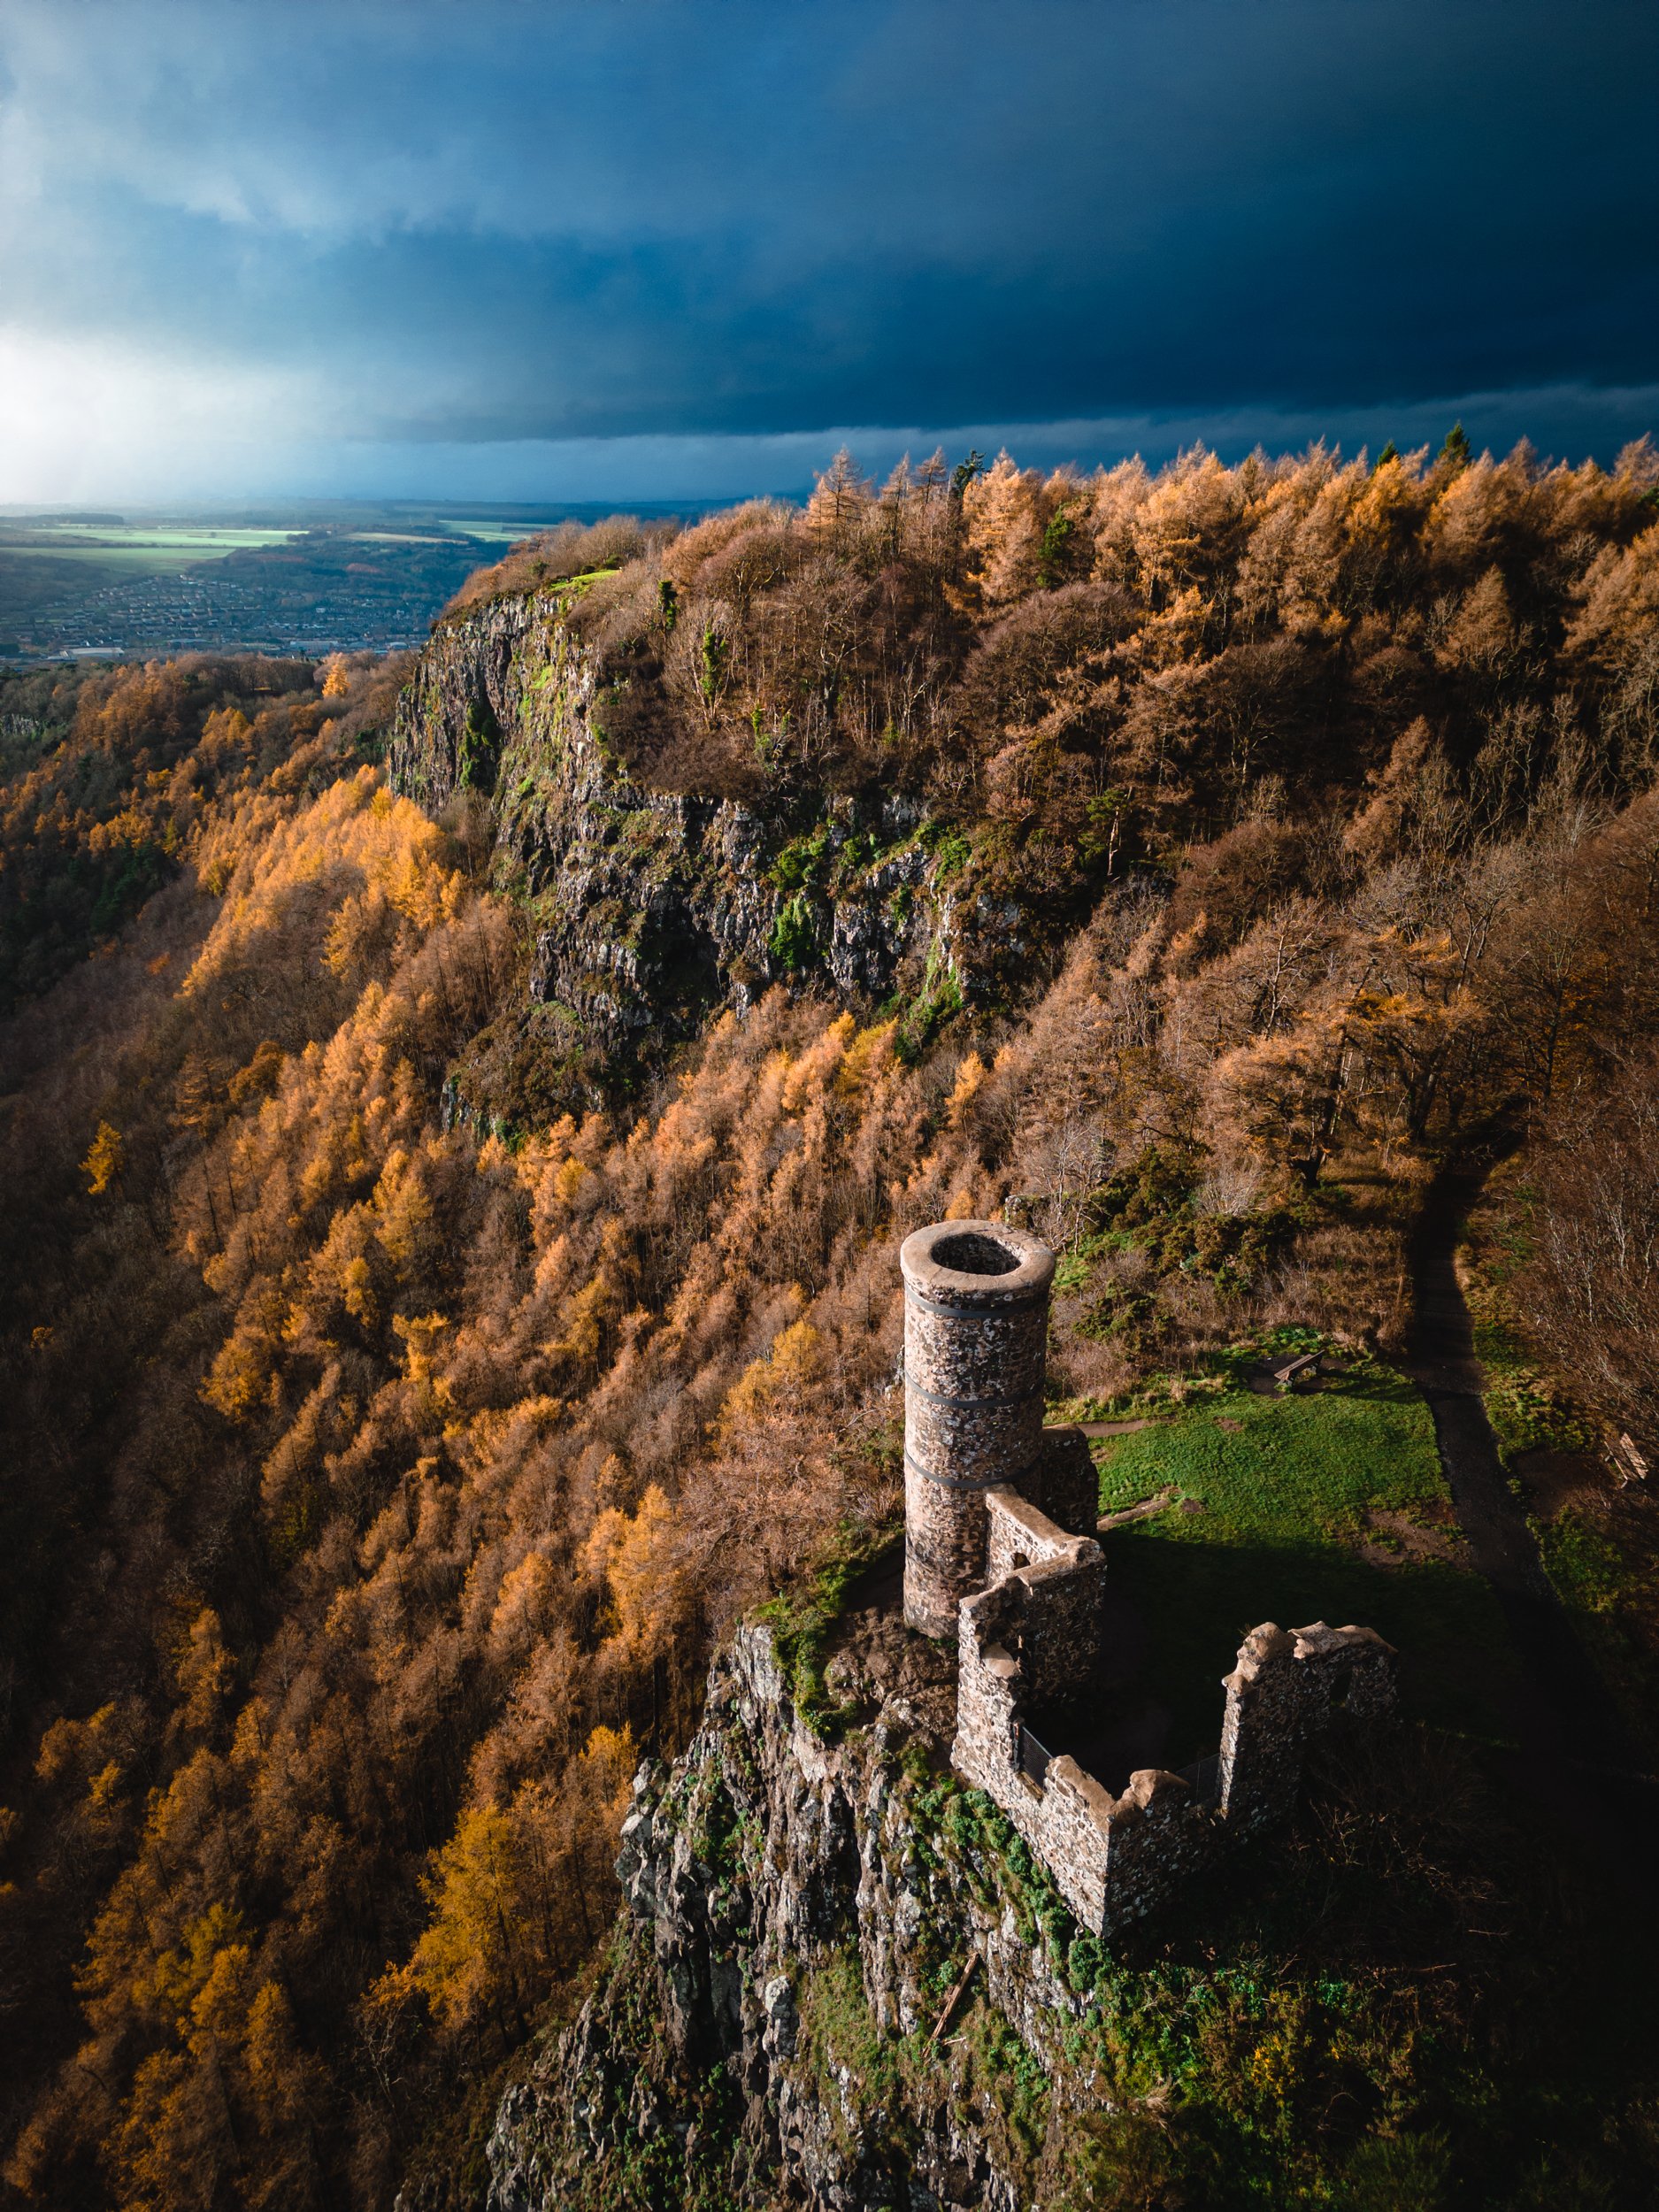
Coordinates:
1064	1820
1063	1483
1058	1647
1355	1671
985	1750
976	1323
1112	1859
1160	1838
1052	1585
1067	1820
1282	1693
1115	1860
1263	1730
991	1500
1018	1535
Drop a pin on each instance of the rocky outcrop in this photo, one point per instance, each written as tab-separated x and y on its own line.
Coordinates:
653	907
844	1978
770	2020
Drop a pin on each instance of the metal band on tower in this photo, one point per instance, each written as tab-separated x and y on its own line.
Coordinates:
976	1328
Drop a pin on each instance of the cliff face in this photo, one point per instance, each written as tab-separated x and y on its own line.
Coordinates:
651	908
798	1915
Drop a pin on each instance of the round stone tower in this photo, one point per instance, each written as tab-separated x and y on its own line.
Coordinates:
976	1327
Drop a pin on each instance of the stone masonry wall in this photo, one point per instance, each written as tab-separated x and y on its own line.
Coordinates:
976	1323
1063	1482
990	1500
1158	1839
1068	1824
944	1550
989	1692
1066	1821
1058	1645
1018	1535
1115	1860
1280	1695
1053	1584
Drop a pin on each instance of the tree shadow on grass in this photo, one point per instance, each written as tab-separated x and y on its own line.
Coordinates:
1194	1604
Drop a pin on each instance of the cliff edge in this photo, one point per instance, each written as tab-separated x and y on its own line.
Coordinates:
651	908
770	2018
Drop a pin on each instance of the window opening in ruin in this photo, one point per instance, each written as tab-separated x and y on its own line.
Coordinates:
1204	1778
972	1253
1033	1757
1020	1561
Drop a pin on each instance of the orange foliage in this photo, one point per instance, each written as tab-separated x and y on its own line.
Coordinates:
433	1459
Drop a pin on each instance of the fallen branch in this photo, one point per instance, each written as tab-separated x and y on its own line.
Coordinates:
954	2000
1141	1512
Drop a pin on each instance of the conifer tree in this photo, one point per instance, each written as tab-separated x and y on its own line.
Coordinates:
841	496
1456	453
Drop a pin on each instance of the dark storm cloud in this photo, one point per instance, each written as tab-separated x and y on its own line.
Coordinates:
522	222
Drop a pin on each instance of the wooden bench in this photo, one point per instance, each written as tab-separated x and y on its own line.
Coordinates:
1289	1373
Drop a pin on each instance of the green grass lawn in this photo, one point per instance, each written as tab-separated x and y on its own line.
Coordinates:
1285	1494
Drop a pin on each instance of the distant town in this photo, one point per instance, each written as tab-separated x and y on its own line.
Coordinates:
81	585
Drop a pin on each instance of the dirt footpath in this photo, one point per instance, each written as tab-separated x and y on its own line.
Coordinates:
1574	1747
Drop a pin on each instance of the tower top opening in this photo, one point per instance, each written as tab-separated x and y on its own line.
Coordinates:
973	1262
974	1253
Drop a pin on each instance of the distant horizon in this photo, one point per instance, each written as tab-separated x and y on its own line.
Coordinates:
1489	427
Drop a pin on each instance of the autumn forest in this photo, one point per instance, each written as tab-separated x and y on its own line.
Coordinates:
416	1365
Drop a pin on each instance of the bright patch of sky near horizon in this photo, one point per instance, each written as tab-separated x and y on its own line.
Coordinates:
500	251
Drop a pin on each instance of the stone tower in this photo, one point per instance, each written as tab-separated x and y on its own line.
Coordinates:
976	1327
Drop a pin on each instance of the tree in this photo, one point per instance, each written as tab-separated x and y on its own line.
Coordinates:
840	497
1006	511
635	1554
971	466
1456	454
105	1159
1591	1282
1285	1093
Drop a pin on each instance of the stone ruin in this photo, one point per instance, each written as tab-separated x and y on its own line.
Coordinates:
1000	1553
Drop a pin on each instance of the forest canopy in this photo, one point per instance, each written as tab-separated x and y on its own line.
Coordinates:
383	1475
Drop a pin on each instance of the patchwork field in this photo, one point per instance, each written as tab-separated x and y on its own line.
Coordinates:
354	577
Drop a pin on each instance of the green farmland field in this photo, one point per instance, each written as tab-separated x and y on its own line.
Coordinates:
131	550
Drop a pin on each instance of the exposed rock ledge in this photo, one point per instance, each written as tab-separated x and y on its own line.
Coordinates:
797	1913
652	907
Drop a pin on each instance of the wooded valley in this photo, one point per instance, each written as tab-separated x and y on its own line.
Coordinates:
409	1381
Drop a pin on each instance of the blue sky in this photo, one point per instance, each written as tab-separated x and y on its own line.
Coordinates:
513	248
